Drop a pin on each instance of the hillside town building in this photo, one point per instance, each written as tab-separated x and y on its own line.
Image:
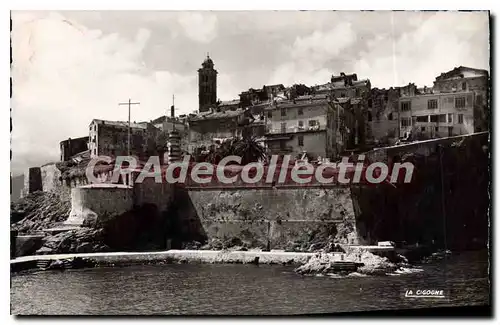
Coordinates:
456	105
322	121
110	138
72	147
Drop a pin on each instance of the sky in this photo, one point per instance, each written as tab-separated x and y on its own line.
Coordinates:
73	66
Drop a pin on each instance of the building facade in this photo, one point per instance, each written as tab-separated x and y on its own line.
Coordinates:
383	116
213	127
456	105
207	85
355	98
438	115
71	147
110	138
310	125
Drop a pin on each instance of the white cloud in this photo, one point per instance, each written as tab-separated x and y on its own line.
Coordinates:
309	54
441	42
64	75
200	27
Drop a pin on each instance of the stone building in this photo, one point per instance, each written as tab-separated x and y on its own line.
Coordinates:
456	105
253	97
110	138
475	81
383	116
354	95
312	124
71	147
228	105
167	124
213	127
207	85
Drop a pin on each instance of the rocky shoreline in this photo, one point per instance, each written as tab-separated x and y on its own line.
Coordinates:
306	264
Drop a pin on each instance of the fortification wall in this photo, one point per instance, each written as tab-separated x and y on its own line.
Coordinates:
99	203
276	218
50	178
149	192
32	181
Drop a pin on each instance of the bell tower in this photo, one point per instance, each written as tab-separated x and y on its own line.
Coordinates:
207	85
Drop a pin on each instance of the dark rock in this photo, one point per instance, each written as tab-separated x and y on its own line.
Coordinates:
84	248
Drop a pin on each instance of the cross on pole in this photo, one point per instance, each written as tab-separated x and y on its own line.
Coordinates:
129	103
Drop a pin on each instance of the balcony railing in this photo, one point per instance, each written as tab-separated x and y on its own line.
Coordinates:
295	129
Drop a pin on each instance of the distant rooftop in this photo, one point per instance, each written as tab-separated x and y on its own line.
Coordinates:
216	115
124	124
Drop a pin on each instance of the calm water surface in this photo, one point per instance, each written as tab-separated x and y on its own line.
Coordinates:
241	289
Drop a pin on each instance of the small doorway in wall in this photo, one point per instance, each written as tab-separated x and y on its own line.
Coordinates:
450	131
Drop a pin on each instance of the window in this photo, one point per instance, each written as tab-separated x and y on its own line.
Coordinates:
434	118
450	118
422	129
301	125
432	104
342	94
282	144
405	121
390	117
300	141
450	131
357	92
405	106
460	118
422	118
270	114
369	116
283	111
436	129
313	123
459	102
442	118
301	111
283	127
479	100
464	86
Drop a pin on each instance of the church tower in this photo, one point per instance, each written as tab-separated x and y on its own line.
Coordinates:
207	85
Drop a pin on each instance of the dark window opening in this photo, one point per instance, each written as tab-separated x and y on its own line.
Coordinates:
300	140
282	144
405	106
460	102
432	104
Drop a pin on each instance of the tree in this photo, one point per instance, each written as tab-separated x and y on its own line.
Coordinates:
248	148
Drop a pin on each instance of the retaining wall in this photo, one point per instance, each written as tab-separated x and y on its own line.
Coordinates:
276	218
99	203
